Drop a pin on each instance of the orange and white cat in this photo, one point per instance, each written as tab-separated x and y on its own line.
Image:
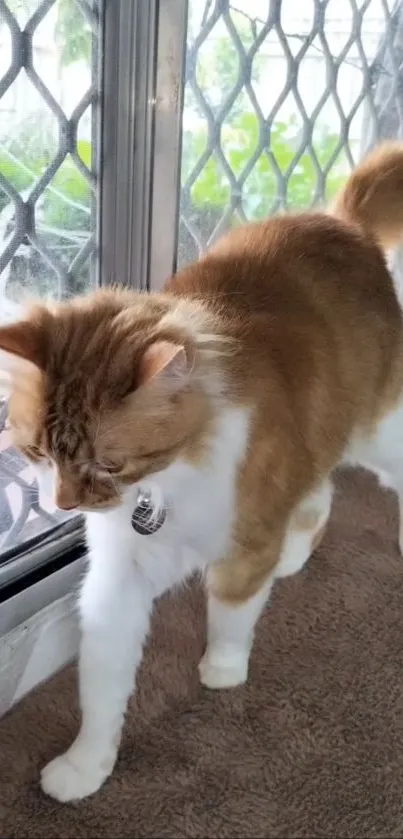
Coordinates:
199	428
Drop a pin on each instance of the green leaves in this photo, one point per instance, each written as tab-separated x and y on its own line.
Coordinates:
66	201
286	173
282	174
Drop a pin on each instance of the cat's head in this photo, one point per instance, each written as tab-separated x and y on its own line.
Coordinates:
102	389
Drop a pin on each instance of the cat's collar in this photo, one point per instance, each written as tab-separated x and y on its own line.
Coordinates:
149	513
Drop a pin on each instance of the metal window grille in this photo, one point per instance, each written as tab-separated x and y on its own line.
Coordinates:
48	209
281	99
25	224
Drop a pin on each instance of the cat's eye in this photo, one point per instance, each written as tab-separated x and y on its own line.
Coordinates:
34	453
110	466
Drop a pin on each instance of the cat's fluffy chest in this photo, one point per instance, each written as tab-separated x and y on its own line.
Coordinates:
200	510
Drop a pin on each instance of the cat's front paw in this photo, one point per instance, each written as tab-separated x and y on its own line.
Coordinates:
68	780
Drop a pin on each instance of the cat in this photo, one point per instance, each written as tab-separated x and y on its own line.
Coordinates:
198	429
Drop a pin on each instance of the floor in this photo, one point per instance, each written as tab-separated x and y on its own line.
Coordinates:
312	746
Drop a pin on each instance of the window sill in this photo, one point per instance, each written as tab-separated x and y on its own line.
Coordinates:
38	632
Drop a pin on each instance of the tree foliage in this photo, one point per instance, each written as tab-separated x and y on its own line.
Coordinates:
286	173
72	31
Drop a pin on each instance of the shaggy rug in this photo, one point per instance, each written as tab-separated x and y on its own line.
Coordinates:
312	746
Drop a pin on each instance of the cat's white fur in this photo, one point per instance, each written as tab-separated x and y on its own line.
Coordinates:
127	572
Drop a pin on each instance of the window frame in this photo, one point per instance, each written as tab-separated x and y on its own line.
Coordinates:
137	138
141	140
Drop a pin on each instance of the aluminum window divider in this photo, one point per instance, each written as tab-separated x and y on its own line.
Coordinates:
170	85
142	101
129	64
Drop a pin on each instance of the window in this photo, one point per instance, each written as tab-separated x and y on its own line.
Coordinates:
281	98
49	120
134	132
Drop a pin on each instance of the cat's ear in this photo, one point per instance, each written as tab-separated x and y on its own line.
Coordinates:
166	362
21	343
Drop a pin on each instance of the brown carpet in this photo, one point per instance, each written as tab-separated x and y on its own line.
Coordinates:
311	747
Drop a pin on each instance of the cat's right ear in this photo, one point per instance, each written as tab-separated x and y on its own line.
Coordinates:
21	343
166	362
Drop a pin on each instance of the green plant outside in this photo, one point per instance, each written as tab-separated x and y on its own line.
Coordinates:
66	201
261	188
26	156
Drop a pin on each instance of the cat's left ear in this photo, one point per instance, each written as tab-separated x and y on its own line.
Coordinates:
21	343
165	362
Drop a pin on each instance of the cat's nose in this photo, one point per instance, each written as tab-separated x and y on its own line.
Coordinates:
67	495
65	505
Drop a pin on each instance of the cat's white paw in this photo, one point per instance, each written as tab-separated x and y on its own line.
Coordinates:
217	674
67	780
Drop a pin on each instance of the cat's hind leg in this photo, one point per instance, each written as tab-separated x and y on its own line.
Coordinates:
230	630
239	588
305	530
382	453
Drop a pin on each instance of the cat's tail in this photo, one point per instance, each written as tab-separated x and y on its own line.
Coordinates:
373	195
